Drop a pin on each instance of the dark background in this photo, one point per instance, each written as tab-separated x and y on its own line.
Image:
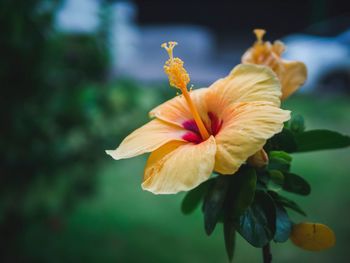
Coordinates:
238	17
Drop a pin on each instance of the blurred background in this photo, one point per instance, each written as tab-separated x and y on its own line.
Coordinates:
78	75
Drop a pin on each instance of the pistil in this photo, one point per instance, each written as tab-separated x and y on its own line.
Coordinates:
259	33
179	78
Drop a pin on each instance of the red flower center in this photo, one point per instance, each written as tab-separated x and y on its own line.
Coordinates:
193	135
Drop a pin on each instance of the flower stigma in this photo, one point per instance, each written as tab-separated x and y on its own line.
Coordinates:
179	78
265	53
259	33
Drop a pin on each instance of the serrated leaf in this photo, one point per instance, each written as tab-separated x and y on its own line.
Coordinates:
320	140
283	225
214	201
257	225
295	184
285	202
230	238
193	198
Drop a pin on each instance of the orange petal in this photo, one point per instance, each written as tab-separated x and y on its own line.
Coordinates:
147	139
278	47
176	110
179	167
245	129
312	236
293	76
246	83
248	57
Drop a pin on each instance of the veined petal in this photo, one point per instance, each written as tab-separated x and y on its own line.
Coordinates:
147	139
245	129
179	167
294	75
247	83
176	110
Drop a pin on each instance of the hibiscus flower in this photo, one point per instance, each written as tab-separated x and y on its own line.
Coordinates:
292	74
205	130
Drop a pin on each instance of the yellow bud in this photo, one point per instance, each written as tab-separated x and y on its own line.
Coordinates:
259	159
312	236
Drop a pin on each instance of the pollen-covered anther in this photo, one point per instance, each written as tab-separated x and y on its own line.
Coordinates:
174	68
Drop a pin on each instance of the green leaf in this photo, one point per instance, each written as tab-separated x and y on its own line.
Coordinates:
283	141
194	197
285	202
230	238
297	124
280	155
214	201
257	225
283	225
276	179
279	164
279	160
263	177
295	184
320	140
241	193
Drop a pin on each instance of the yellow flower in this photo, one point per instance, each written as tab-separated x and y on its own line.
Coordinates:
207	129
292	74
312	236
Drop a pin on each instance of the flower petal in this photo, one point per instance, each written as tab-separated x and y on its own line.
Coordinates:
147	139
248	56
245	129
179	167
278	47
294	75
176	110
246	83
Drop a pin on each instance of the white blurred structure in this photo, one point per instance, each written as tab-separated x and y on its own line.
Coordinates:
195	48
78	16
327	60
124	36
136	50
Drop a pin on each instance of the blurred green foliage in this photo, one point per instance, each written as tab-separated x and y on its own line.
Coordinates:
58	114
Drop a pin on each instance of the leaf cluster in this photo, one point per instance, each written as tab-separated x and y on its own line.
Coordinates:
251	202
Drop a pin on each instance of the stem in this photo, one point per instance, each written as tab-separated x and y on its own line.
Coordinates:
267	256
